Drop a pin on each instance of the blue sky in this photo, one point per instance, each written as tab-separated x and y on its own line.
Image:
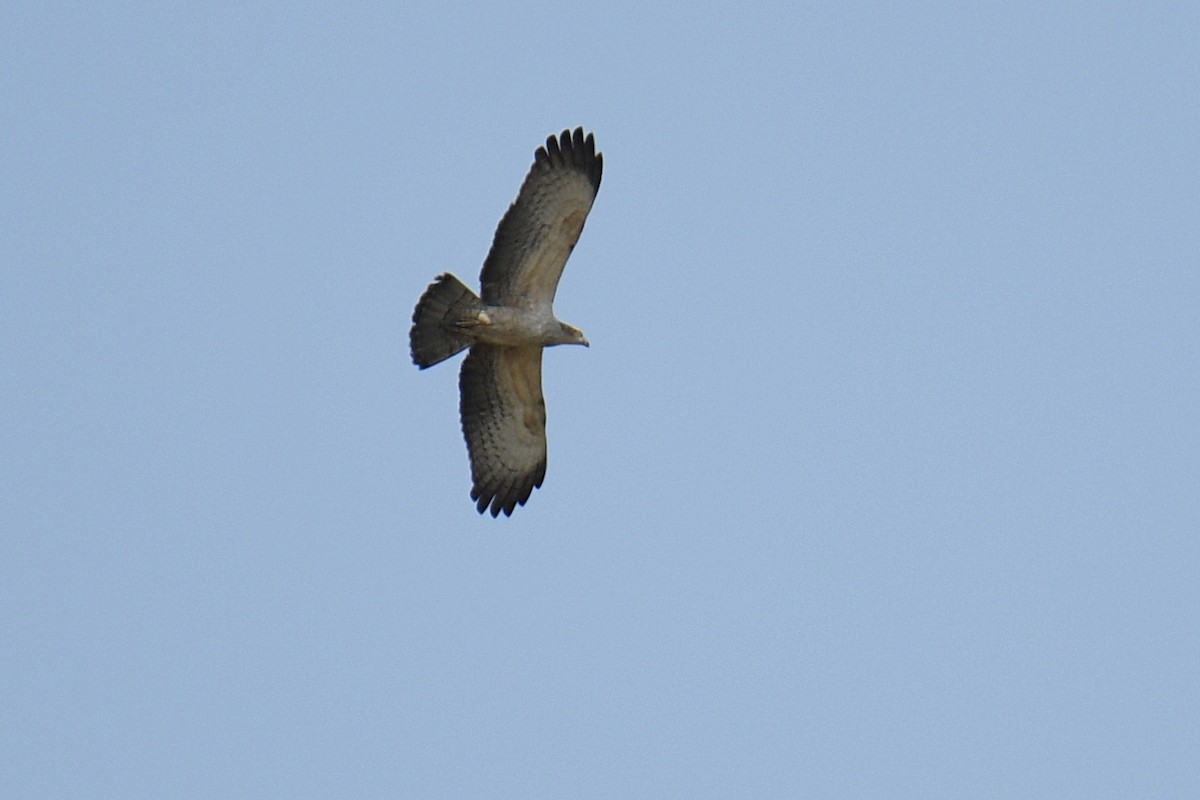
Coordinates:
879	479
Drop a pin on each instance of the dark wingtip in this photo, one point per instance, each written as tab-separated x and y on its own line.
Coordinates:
505	496
573	148
493	507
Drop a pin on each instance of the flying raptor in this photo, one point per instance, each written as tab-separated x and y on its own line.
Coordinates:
512	319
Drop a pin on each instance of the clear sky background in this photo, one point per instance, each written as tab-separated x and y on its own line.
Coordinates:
881	477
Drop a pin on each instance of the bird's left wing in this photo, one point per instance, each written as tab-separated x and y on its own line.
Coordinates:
504	423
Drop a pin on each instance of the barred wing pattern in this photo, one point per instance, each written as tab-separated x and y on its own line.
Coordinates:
536	235
504	422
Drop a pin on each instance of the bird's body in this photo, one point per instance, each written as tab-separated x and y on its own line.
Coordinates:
505	326
508	324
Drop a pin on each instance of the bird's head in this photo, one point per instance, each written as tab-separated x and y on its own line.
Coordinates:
572	335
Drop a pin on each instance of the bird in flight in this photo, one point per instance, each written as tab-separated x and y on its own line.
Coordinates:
510	321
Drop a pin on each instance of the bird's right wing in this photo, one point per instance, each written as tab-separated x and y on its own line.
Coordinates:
537	234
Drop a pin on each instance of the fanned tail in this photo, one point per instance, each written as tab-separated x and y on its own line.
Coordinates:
435	333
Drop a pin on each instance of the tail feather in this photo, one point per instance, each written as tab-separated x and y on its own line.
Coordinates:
435	335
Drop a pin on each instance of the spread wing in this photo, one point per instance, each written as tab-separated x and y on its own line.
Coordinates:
536	235
504	422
